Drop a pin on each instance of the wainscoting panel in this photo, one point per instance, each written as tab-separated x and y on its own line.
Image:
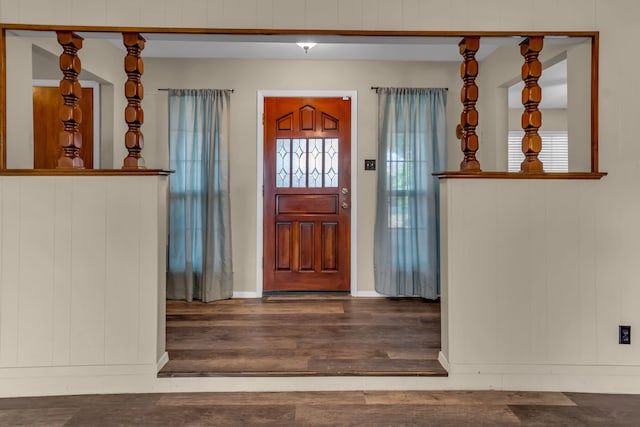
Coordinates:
80	272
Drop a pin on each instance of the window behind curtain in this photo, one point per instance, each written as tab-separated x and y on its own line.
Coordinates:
411	146
402	167
199	265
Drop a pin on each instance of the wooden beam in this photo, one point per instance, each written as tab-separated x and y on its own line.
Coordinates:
290	31
3	99
595	53
519	175
84	172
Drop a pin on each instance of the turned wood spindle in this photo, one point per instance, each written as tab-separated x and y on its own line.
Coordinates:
531	96
70	138
133	90
469	96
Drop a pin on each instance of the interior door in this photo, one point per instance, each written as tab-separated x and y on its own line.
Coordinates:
307	194
47	126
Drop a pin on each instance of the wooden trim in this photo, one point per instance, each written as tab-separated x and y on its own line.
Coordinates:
593	35
271	31
520	175
84	172
3	99
595	66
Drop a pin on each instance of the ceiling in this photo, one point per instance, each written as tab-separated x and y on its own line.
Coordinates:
283	46
328	47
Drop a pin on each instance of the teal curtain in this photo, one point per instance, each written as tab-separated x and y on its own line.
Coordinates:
199	264
411	146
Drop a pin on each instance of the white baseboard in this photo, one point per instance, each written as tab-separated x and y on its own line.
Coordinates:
245	295
20	382
66	380
367	294
163	360
443	361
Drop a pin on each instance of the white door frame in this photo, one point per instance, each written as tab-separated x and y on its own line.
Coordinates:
354	172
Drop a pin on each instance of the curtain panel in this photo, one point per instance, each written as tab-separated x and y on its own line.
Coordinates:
411	146
199	264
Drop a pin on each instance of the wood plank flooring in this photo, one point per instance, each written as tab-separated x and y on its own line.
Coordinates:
303	336
356	408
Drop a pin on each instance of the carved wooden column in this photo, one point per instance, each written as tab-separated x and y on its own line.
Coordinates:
469	96
531	96
133	90
70	138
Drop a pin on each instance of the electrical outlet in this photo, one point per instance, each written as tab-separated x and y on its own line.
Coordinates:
624	334
370	164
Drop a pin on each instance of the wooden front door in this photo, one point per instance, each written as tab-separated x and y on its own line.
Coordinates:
307	194
47	126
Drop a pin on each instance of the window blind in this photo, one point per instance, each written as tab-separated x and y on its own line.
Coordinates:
554	154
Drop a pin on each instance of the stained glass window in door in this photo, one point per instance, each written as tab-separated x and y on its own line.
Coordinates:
331	162
283	162
299	163
315	162
311	163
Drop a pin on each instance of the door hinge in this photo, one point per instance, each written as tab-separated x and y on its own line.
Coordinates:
262	190
262	119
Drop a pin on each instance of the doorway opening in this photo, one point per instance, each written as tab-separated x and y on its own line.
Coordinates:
304	333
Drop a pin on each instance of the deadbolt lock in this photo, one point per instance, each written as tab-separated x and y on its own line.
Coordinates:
345	190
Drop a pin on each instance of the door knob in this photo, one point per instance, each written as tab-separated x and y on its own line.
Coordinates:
345	205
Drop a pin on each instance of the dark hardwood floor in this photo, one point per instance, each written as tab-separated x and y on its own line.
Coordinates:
355	408
315	336
303	335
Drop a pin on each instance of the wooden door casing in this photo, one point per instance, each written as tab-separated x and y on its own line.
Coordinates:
47	126
306	242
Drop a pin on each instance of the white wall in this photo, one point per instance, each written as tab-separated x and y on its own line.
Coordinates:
19	104
536	284
579	107
81	263
571	325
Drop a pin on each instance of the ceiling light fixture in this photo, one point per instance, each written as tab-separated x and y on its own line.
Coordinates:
306	45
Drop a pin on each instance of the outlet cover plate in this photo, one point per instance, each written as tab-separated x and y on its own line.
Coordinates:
624	336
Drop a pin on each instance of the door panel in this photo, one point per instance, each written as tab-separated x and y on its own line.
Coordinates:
307	246
47	125
329	238
307	179
307	204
